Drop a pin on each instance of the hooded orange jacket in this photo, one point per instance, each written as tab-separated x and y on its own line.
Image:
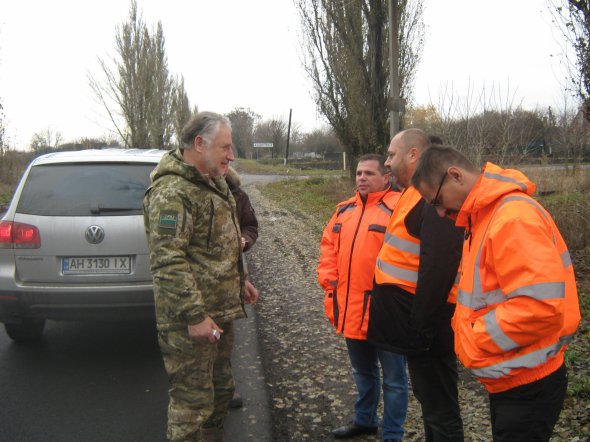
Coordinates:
517	307
350	244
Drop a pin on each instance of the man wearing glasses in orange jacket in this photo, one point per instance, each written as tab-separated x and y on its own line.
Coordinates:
413	297
349	247
517	306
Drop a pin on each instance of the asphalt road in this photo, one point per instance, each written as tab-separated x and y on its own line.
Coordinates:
106	382
85	382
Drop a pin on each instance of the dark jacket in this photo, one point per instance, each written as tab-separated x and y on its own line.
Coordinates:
246	214
407	323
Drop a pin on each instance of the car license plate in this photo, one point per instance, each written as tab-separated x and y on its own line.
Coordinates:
96	265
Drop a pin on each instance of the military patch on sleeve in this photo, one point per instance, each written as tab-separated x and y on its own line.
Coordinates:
168	222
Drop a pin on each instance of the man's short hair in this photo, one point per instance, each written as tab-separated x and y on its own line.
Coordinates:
435	161
375	157
205	124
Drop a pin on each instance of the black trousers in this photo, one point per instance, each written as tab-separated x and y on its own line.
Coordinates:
529	412
434	383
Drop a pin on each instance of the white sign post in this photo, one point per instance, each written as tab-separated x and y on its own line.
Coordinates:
269	145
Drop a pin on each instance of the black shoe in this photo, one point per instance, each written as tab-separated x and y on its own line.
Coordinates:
236	401
351	430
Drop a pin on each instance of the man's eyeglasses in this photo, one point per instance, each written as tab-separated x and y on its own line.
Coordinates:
435	202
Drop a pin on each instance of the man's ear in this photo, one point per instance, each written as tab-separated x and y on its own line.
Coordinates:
413	154
456	174
199	143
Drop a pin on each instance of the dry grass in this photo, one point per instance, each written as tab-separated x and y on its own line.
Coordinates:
316	196
559	180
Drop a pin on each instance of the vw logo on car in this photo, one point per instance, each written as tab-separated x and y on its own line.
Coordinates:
94	234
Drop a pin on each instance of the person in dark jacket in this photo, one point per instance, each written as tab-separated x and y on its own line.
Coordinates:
246	214
249	230
413	296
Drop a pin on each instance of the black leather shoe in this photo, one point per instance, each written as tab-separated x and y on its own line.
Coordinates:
236	401
352	430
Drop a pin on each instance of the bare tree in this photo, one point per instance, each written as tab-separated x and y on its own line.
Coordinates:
160	110
181	107
321	141
242	122
572	17
46	140
275	132
137	91
345	45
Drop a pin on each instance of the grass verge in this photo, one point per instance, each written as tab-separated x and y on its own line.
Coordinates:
315	197
254	167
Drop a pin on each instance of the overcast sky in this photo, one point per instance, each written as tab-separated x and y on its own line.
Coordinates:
237	53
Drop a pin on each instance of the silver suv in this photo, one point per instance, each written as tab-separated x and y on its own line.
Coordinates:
72	243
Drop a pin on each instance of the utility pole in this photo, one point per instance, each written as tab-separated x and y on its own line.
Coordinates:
288	137
394	98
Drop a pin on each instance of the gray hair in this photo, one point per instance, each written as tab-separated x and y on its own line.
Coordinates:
205	124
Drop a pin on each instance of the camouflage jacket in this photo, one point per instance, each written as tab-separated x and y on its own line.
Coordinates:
194	241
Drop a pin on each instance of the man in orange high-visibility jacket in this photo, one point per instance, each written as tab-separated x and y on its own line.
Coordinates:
349	247
517	306
412	300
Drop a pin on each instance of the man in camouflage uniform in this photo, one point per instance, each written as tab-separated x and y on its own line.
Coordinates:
199	275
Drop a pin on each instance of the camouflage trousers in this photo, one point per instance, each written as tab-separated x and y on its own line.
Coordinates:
201	383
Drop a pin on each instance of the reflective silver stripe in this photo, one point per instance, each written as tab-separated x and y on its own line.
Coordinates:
397	272
532	202
402	244
495	176
529	360
385	209
496	334
566	259
464	298
349	206
377	228
543	290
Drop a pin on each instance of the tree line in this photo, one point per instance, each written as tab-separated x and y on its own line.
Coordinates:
346	54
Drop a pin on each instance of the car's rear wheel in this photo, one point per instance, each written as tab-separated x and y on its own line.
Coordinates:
28	330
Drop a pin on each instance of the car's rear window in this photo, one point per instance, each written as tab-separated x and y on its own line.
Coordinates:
85	189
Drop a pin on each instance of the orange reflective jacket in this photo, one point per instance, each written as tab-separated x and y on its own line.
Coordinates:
517	307
398	261
349	247
399	258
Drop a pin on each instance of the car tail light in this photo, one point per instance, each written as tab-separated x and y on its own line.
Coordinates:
19	236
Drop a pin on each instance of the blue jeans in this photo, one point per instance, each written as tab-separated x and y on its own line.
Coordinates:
365	360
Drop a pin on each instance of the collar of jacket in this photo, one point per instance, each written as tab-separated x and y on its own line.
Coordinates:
373	197
233	178
493	184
